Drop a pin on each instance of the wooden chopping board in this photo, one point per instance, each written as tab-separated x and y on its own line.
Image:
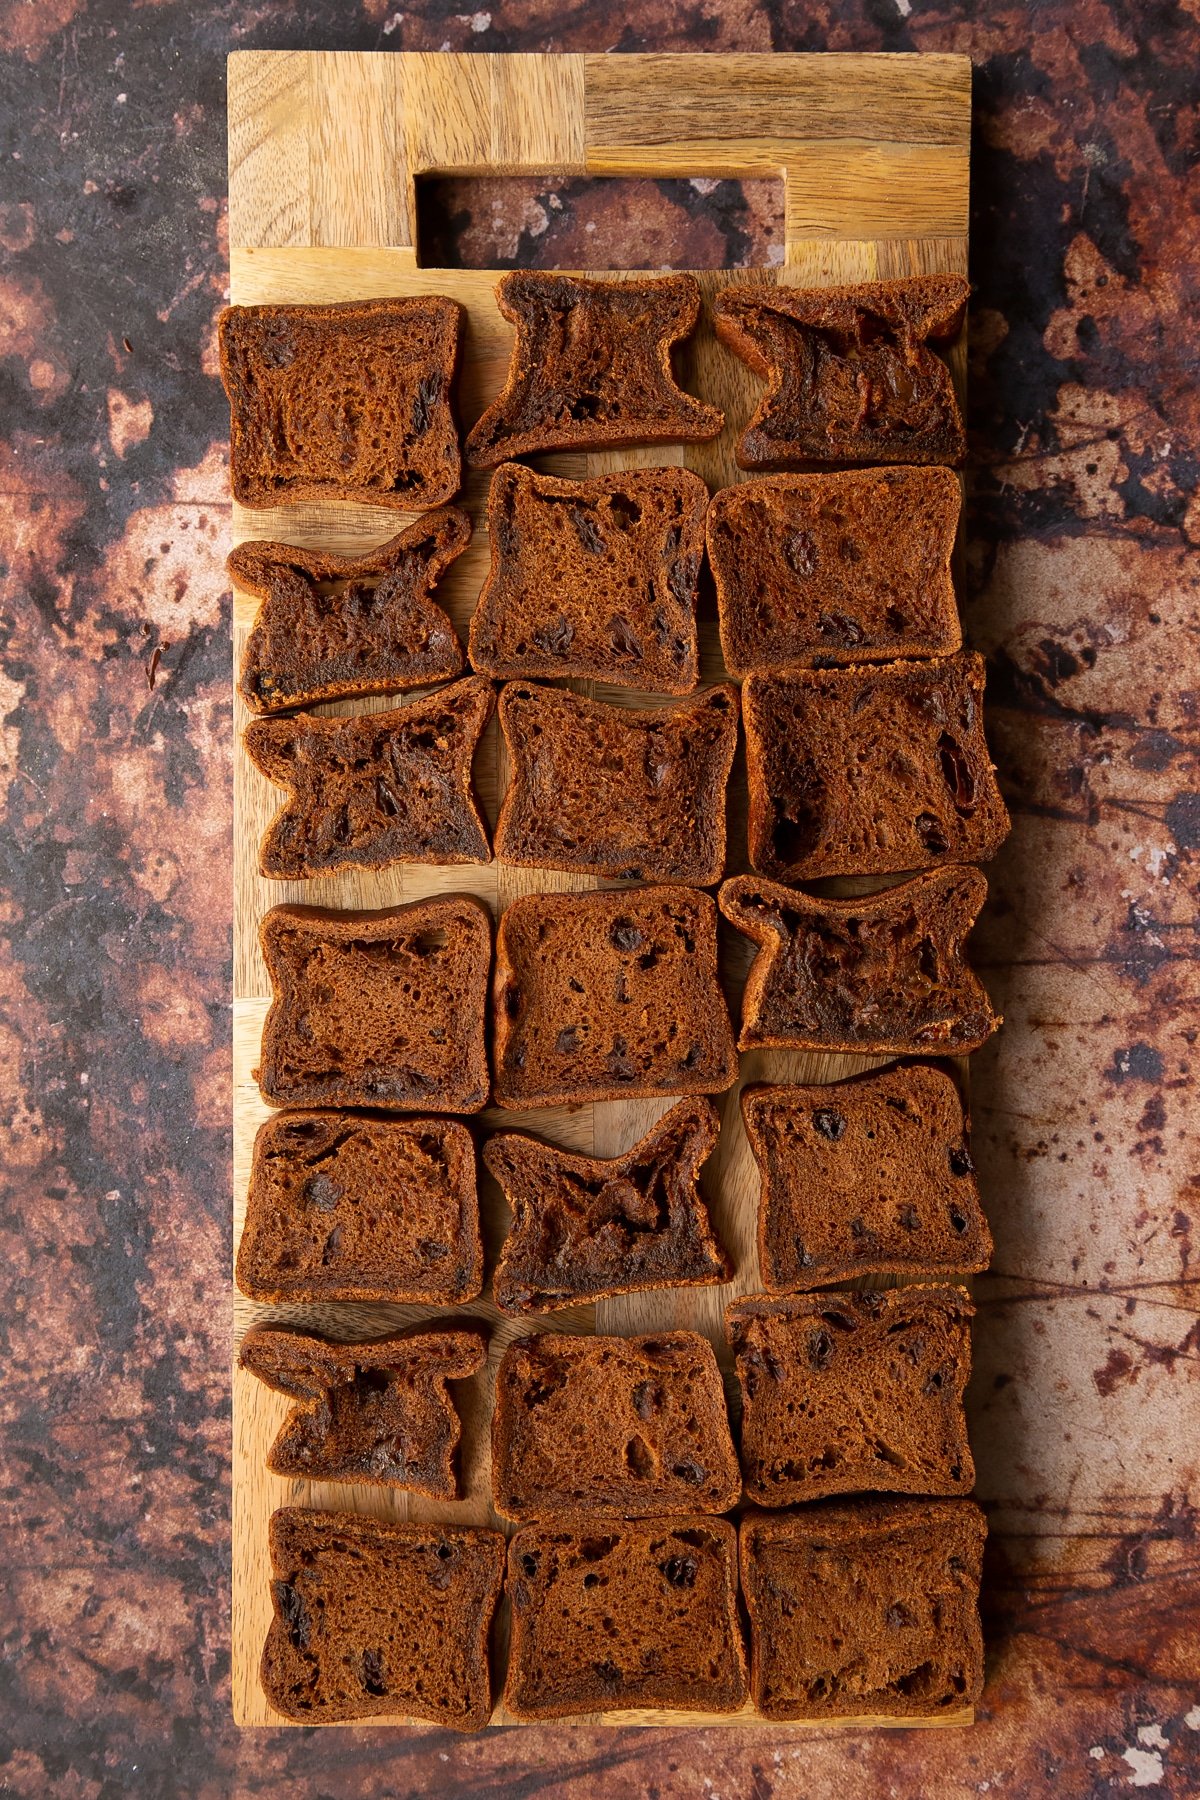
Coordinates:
324	151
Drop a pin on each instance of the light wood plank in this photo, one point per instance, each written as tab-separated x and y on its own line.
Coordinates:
676	101
852	188
268	101
538	114
357	175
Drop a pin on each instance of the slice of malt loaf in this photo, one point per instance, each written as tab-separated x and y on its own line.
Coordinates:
864	1607
845	1393
373	1617
635	1426
607	995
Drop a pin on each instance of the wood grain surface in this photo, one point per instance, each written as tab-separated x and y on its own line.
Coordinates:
324	150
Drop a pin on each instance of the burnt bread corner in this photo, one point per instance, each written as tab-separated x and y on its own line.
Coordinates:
335	627
597	996
591	367
378	1009
595	578
361	1206
350	401
377	788
585	1228
870	770
377	1410
618	791
882	973
850	374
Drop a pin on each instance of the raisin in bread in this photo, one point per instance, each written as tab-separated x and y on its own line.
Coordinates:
851	377
870	771
882	973
343	402
331	627
376	789
593	578
844	568
381	1009
610	790
844	1393
357	1206
864	1607
372	1617
609	995
865	1177
609	1614
377	1411
635	1426
587	1227
591	367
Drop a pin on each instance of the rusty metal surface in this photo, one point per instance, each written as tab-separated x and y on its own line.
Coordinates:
114	978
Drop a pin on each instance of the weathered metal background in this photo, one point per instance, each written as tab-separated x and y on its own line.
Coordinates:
114	680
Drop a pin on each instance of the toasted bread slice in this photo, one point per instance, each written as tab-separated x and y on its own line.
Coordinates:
882	973
375	1411
358	1206
591	367
844	1393
335	627
587	1227
374	1617
635	1426
381	1009
851	567
376	789
594	578
851	377
863	1607
343	402
617	791
608	995
865	1177
870	771
609	1614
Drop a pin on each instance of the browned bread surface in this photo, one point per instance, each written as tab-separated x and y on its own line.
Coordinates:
870	771
588	1227
343	402
843	568
865	1177
376	1411
864	1607
850	374
334	626
591	367
593	578
373	1617
843	1393
609	995
635	1426
610	790
609	1614
375	789
882	973
357	1206
381	1009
